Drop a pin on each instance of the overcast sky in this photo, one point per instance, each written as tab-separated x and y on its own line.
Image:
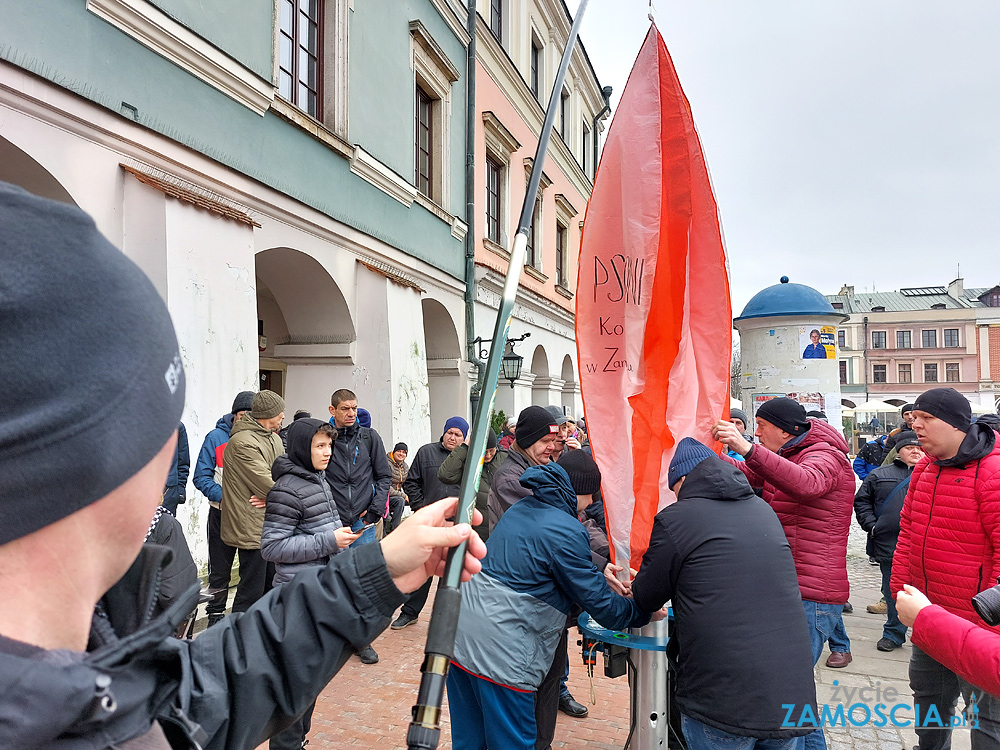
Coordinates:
850	142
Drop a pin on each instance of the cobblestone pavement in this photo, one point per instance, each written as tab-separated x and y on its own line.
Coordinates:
369	706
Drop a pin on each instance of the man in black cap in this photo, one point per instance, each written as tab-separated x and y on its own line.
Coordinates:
397	496
802	468
208	480
877	506
87	434
534	440
949	548
720	556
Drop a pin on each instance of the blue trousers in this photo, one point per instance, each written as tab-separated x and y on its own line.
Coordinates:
700	736
487	716
893	629
822	620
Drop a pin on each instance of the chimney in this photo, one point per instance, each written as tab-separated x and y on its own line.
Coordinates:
846	291
956	288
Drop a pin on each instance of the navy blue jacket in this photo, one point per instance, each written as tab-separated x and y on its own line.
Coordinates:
206	479
175	490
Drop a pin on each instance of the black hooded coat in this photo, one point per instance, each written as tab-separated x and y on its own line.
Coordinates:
301	513
720	554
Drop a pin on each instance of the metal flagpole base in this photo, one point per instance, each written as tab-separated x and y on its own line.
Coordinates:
649	692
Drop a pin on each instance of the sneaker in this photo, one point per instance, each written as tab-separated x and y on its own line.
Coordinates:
571	707
884	644
848	608
878	608
873	561
402	621
368	656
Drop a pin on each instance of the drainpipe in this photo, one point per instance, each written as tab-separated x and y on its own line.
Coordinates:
606	93
471	352
865	354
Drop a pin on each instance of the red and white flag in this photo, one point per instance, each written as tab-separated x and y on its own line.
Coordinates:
653	319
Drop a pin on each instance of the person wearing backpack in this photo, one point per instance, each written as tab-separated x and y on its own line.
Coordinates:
359	476
877	506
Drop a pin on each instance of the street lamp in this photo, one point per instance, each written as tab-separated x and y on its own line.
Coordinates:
510	365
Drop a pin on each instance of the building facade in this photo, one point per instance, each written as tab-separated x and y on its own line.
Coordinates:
895	345
290	173
518	49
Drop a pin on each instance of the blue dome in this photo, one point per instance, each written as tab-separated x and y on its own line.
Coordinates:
788	299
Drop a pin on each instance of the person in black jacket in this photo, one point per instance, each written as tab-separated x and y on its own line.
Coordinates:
76	497
422	487
175	490
359	477
877	506
302	528
720	554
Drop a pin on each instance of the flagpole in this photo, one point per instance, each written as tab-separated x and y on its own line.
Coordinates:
425	728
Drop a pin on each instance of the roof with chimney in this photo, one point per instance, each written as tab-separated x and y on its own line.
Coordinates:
951	297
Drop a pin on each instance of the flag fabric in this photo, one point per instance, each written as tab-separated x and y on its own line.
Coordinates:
653	318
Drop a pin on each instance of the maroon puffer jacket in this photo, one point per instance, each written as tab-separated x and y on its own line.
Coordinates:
810	486
949	530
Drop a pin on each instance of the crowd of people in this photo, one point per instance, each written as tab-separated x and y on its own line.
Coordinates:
97	579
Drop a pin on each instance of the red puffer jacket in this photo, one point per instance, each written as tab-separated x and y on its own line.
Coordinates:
810	486
973	653
949	530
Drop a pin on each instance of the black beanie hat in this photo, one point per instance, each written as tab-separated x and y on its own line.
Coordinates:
491	439
584	474
786	414
948	405
905	438
96	349
906	408
401	447
243	401
534	423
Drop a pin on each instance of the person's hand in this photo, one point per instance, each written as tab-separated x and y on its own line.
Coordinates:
729	435
257	502
660	614
622	588
909	602
573	444
417	549
345	537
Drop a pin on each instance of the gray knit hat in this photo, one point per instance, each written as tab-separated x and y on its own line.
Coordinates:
242	402
99	386
266	405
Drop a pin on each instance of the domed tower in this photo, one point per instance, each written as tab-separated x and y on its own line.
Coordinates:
788	347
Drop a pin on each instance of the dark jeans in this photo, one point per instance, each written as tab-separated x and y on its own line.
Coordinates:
256	575
220	561
893	629
934	685
293	737
396	505
416	601
547	695
700	736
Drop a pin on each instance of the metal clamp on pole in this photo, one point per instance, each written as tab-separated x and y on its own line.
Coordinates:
425	727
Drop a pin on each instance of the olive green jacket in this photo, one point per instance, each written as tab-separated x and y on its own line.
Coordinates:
450	472
246	471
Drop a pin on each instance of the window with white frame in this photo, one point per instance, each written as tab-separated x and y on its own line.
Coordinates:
566	212
499	144
433	76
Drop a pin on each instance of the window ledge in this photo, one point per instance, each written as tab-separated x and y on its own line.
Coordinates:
535	274
560	289
370	169
288	111
496	249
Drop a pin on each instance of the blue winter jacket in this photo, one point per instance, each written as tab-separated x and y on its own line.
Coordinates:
206	478
537	565
869	457
175	488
